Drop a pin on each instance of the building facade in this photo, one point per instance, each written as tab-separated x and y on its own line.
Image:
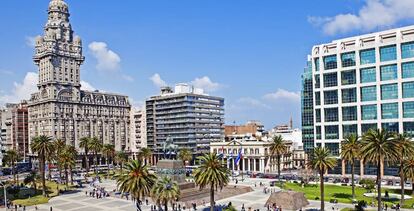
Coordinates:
361	83
138	131
188	116
251	127
307	109
61	109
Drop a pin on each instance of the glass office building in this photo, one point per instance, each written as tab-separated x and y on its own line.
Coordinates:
361	83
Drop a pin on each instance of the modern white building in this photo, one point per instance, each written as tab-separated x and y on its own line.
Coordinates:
360	83
138	130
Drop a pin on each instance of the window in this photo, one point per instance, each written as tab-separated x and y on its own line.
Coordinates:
408	89
389	91
330	79
348	130
369	112
349	113
330	62
317	98
317	81
316	64
368	75
330	97
390	126
389	111
333	148
388	53
368	93
408	109
348	59
389	72
407	50
367	56
318	133
331	132
331	114
366	127
348	77
318	115
407	70
349	95
409	128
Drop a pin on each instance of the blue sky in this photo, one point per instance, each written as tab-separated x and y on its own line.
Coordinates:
252	53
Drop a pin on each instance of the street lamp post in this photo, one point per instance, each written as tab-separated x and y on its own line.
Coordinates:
5	194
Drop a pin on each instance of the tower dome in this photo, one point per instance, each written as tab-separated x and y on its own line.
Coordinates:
58	6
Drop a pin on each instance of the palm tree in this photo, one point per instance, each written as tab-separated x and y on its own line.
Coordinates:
408	170
145	153
11	158
321	161
137	180
95	145
165	191
185	155
74	154
405	149
67	160
379	146
350	148
31	178
211	172
121	158
278	148
43	146
84	143
59	146
108	151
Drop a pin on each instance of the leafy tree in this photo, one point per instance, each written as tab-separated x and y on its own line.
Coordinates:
145	154
44	148
211	172
31	178
95	146
108	151
121	158
11	158
67	160
185	155
165	191
350	148
321	160
278	148
405	149
379	146
59	146
137	180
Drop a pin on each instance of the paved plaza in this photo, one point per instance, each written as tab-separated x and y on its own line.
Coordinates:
78	201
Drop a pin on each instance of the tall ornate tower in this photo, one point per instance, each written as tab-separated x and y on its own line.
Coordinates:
59	56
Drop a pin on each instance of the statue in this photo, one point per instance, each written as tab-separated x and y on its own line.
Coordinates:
169	148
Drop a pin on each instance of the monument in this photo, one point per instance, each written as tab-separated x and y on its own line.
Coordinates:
171	167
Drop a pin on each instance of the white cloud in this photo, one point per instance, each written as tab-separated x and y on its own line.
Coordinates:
206	84
107	60
374	14
87	86
251	103
30	41
21	91
6	72
128	78
157	80
283	95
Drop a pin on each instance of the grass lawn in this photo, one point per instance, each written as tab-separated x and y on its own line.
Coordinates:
341	193
29	197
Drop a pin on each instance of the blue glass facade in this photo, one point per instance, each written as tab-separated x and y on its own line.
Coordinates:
348	130
407	70
331	114
368	75
408	109
349	95
331	132
348	59
391	126
318	115
367	56
317	81
307	108
349	113
330	97
389	111
330	80
317	98
407	50
369	112
330	62
408	89
318	132
389	91
408	128
348	77
368	93
388	53
389	72
317	64
366	127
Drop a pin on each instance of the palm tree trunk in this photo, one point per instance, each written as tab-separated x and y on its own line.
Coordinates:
278	170
402	182
352	178
71	175
379	184
321	173
166	206
212	197
42	172
66	176
14	173
86	162
96	162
